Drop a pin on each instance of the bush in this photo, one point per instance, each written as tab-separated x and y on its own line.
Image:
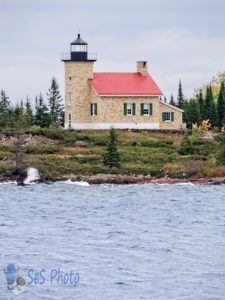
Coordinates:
157	144
221	156
174	170
186	146
5	148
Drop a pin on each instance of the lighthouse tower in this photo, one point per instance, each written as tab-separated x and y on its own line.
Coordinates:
78	71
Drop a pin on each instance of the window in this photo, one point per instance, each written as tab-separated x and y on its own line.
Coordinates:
93	109
129	109
69	98
69	120
69	79
168	116
146	109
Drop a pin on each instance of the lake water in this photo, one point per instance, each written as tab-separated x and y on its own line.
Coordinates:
126	241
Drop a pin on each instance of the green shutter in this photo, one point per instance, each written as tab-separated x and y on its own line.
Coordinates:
91	109
150	109
125	109
172	116
134	109
142	109
163	116
95	108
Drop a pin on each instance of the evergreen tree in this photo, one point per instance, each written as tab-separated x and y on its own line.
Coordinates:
112	157
42	116
4	109
180	97
194	115
201	105
28	112
210	108
172	102
55	103
186	114
221	106
18	113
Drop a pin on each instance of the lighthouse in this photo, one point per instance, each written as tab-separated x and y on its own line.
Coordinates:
78	65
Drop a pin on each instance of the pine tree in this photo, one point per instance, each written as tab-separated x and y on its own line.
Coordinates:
112	157
55	103
210	108
172	102
4	109
42	116
221	106
180	97
201	105
18	114
28	112
194	115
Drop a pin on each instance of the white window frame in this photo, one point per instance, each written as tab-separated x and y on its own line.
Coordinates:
146	109
167	116
129	109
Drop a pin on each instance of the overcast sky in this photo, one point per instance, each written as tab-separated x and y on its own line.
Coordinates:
180	39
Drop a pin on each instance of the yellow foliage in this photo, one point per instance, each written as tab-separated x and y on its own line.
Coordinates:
205	125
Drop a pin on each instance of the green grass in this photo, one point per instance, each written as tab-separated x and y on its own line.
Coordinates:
142	153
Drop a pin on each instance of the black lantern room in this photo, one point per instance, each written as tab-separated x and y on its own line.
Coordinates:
79	51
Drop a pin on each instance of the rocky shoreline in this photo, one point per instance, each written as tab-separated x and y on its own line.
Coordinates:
122	179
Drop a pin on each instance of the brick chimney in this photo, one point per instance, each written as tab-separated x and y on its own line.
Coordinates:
142	68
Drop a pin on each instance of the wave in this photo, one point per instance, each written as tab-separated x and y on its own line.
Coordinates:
8	182
177	183
80	183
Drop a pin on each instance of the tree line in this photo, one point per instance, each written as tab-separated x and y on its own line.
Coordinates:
208	103
43	114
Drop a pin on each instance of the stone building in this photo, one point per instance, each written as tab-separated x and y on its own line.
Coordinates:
119	100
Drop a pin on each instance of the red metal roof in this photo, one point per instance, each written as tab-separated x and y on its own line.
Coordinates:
124	84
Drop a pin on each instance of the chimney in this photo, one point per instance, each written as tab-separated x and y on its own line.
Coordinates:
142	68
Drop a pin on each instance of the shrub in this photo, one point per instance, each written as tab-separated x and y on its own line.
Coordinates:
5	148
157	144
221	156
186	146
174	170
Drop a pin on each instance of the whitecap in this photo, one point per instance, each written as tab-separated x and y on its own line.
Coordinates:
8	182
80	183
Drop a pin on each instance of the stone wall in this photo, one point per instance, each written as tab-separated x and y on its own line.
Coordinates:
77	75
178	116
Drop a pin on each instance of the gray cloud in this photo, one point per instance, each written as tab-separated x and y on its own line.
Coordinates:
180	39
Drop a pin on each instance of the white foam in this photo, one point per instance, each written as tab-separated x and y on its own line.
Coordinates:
8	182
32	176
80	183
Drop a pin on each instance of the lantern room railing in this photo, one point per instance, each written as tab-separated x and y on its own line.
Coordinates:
66	56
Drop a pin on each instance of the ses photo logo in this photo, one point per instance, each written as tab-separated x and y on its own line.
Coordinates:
55	276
